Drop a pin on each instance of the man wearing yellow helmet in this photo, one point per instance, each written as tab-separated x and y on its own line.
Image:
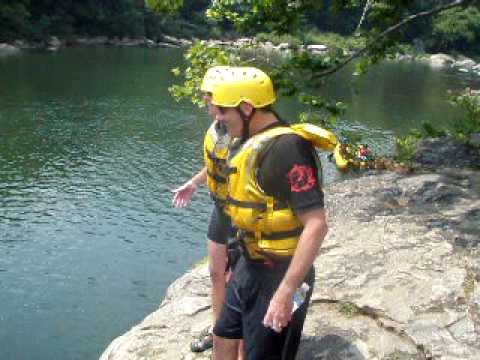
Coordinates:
276	203
219	230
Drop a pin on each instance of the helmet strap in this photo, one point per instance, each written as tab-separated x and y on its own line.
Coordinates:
246	122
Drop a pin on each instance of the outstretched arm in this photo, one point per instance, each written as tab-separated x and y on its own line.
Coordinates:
183	194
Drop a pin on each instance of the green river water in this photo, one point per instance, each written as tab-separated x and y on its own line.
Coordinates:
90	146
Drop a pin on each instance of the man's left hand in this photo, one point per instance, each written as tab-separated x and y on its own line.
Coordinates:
279	312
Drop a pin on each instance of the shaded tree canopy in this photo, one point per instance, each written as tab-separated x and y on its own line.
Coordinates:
383	25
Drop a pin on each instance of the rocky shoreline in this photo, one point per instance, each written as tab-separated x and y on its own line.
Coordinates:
439	61
397	277
54	43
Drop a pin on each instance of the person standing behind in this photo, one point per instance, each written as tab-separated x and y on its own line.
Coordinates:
276	203
219	229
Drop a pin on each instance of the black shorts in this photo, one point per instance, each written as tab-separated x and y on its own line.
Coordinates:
247	298
220	226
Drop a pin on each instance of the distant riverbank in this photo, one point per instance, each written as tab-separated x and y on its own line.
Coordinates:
440	61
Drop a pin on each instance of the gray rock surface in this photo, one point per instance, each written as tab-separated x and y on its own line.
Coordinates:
397	278
466	63
441	60
8	49
446	151
93	41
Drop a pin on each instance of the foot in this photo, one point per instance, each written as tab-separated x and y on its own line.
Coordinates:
203	342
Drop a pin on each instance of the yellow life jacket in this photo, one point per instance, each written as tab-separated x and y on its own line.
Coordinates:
269	228
215	152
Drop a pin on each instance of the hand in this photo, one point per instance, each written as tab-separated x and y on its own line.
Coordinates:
183	194
279	312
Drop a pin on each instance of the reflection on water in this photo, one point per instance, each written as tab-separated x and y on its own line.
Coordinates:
90	146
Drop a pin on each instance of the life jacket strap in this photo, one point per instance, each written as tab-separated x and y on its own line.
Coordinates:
277	235
218	178
216	160
230	170
262	207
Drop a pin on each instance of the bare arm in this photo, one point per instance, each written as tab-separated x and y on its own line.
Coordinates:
315	229
200	178
183	194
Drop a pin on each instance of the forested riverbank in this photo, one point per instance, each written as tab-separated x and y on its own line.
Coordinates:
455	30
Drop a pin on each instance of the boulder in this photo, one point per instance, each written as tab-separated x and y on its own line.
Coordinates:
445	152
126	41
465	63
475	140
166	45
8	49
404	57
53	43
268	46
441	60
244	41
22	44
283	46
94	41
149	43
317	49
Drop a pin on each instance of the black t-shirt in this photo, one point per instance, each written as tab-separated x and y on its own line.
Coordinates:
288	171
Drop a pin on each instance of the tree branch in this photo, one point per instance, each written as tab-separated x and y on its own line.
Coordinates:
391	29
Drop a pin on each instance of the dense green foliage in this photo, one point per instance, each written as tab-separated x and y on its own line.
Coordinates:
384	25
28	19
467	124
456	29
200	58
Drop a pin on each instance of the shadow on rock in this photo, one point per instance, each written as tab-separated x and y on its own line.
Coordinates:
328	347
446	152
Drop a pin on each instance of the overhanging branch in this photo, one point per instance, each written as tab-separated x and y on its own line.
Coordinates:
392	28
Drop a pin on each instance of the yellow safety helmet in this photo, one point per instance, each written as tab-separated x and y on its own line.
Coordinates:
247	84
212	77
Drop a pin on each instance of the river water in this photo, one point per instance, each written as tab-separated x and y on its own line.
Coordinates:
90	146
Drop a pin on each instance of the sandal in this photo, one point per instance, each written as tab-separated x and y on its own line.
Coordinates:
203	342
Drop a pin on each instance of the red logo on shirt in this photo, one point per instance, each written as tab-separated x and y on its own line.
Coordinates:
301	178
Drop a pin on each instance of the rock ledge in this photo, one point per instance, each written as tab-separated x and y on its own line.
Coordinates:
397	278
